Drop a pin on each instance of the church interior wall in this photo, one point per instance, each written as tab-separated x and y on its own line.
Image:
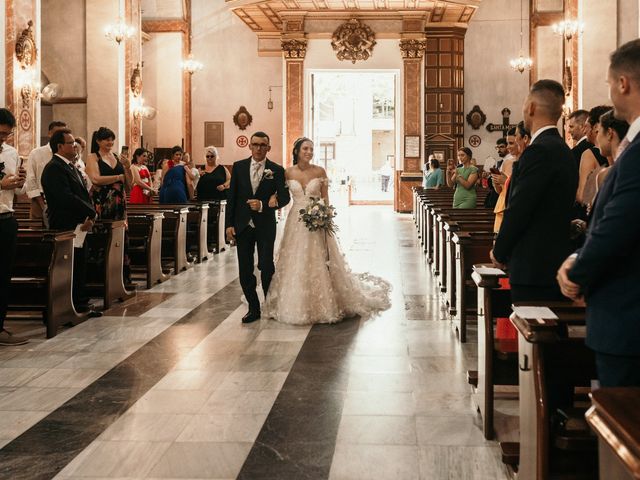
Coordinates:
233	75
493	38
3	100
628	24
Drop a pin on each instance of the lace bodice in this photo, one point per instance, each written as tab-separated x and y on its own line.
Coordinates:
300	194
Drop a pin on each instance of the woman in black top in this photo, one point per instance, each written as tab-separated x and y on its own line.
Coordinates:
215	179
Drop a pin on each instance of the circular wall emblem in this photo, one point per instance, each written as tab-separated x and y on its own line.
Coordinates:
242	141
25	120
475	141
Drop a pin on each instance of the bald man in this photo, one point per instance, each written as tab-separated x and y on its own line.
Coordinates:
533	240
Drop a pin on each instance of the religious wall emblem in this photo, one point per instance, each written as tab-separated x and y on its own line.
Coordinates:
505	126
475	141
476	117
242	118
26	51
353	41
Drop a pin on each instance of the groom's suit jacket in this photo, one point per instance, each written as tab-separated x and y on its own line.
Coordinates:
238	213
608	264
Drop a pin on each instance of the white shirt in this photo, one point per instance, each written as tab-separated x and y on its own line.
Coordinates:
539	131
634	129
9	156
580	141
38	159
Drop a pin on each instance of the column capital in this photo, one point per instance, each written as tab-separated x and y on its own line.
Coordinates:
412	47
294	48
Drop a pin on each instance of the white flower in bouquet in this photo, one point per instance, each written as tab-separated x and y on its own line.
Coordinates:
317	215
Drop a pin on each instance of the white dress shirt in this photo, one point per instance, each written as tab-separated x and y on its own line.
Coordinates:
634	129
256	171
9	156
539	131
38	159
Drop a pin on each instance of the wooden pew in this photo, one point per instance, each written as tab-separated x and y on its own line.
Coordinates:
470	248
174	234
495	367
615	417
42	278
106	259
552	348
145	246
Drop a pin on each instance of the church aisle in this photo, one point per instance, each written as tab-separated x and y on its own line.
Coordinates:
174	386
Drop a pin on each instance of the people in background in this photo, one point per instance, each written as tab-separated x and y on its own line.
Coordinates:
386	171
175	178
463	179
12	182
533	239
193	172
490	164
610	134
591	160
214	181
142	190
576	129
605	270
500	176
78	161
38	159
434	176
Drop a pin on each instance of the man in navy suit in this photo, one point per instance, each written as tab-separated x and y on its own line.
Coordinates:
534	236
250	221
605	270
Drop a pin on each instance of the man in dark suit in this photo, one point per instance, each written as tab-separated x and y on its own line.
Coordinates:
69	205
605	270
576	129
534	236
250	221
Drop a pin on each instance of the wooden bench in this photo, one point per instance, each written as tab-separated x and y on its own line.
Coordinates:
145	246
615	417
41	280
550	448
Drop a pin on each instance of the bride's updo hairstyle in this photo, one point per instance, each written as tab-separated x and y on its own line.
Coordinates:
296	148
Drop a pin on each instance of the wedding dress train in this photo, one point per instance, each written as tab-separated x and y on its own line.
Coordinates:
313	283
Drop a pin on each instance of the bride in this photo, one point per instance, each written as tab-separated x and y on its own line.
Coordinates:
313	283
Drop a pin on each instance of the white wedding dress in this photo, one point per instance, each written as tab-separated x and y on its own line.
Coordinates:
313	283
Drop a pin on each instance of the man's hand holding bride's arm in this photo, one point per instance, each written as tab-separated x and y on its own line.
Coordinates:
282	192
273	201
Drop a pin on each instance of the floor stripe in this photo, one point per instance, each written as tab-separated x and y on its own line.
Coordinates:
47	447
298	438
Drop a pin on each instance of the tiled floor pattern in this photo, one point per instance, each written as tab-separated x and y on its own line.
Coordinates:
385	398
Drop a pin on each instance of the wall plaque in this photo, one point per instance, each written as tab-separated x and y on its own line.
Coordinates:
412	146
214	134
242	118
476	117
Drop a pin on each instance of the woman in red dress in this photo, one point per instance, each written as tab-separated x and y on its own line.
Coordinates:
142	186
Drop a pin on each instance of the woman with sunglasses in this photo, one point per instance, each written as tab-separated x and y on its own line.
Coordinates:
215	179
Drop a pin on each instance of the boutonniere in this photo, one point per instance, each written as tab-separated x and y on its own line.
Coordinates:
2	173
268	174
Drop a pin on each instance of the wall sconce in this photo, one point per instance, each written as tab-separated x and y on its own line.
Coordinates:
140	110
119	31
568	28
566	110
270	101
191	66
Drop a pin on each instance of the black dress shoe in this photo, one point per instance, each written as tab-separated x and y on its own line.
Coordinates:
251	317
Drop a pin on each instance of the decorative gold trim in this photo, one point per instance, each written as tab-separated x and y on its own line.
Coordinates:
412	48
26	51
353	41
294	48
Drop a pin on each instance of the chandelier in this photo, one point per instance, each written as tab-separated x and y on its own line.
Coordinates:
191	66
521	63
119	31
568	28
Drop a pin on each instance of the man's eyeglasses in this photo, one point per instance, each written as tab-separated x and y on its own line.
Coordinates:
260	145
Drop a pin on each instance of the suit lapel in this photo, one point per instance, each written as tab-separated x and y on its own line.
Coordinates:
266	167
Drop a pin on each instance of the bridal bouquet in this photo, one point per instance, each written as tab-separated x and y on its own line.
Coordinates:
318	216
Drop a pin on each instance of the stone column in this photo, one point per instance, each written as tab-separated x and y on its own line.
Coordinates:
294	51
408	174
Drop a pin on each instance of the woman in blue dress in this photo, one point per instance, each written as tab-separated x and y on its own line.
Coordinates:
175	180
433	177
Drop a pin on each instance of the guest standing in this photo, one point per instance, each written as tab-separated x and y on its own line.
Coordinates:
142	189
174	179
12	182
433	177
576	127
69	205
214	181
111	177
534	235
463	179
610	134
605	269
591	159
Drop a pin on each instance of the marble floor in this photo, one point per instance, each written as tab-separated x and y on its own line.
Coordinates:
171	385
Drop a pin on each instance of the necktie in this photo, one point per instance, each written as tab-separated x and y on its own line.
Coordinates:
78	175
255	175
623	144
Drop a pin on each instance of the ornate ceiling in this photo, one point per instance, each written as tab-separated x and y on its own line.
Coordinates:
266	16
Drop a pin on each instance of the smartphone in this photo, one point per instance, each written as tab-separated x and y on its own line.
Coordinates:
495	171
125	151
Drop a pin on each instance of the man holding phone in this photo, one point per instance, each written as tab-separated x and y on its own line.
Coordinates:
12	181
